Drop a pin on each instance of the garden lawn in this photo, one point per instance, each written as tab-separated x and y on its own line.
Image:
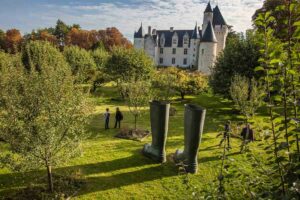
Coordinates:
115	168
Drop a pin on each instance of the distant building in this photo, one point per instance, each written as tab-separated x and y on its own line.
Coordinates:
186	48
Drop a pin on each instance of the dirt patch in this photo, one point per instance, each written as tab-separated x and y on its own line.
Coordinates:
133	134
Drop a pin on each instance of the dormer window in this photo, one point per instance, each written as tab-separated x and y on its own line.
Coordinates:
162	40
175	41
186	39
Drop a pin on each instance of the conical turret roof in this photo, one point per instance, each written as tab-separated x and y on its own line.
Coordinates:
209	34
195	32
208	8
218	18
140	33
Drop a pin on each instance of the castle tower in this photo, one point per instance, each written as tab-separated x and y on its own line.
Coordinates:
139	40
208	16
220	28
207	50
194	46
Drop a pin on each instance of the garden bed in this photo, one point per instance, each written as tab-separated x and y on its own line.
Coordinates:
133	134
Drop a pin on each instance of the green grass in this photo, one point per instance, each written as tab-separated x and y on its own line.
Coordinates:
115	169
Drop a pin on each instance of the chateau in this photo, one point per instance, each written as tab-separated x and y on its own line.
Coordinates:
194	48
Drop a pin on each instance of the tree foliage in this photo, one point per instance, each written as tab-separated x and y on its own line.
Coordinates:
137	95
129	64
42	112
82	64
240	56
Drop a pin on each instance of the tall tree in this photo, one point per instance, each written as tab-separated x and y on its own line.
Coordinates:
42	112
240	56
61	31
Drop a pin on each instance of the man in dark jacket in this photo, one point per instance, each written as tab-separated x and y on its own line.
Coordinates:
119	118
247	133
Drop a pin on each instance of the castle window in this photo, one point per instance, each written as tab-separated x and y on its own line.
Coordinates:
202	51
161	50
174	50
161	60
185	51
173	61
184	61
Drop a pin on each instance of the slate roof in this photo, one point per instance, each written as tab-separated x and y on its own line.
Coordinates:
218	18
169	35
209	34
208	8
140	33
195	34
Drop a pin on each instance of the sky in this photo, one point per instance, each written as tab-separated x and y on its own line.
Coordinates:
126	15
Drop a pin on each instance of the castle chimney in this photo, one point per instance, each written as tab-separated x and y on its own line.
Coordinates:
171	29
149	30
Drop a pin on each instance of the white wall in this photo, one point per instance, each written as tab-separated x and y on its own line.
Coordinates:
179	57
221	33
208	17
207	59
139	43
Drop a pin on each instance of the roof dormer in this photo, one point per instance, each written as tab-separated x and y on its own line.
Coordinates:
175	40
162	40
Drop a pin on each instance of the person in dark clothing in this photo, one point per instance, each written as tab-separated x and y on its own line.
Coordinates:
106	118
226	134
119	118
247	133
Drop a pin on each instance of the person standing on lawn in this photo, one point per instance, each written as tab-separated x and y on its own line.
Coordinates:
119	118
106	118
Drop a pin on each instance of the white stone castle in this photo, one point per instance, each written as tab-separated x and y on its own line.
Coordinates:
186	48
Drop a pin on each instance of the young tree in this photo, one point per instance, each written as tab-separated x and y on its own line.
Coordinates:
82	64
42	112
189	83
247	95
164	82
137	95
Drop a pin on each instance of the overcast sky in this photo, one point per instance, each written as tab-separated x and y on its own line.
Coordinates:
126	15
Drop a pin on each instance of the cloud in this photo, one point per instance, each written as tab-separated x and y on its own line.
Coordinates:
127	15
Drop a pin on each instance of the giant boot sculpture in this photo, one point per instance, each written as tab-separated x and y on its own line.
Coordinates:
194	117
159	116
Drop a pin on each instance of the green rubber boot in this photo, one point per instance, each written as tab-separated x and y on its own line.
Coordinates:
159	116
194	117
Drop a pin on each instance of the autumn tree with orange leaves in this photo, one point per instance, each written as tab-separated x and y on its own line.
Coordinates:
13	40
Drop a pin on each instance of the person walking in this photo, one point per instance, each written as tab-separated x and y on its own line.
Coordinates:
106	118
119	118
226	135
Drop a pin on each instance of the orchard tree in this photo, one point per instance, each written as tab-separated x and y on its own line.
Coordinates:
43	114
189	83
82	64
137	95
125	65
101	57
164	82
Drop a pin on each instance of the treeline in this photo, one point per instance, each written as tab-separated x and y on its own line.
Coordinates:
63	35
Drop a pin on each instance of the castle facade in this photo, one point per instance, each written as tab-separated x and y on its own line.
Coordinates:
196	48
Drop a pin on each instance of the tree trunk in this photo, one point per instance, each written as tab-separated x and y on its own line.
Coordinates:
50	181
135	121
182	95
